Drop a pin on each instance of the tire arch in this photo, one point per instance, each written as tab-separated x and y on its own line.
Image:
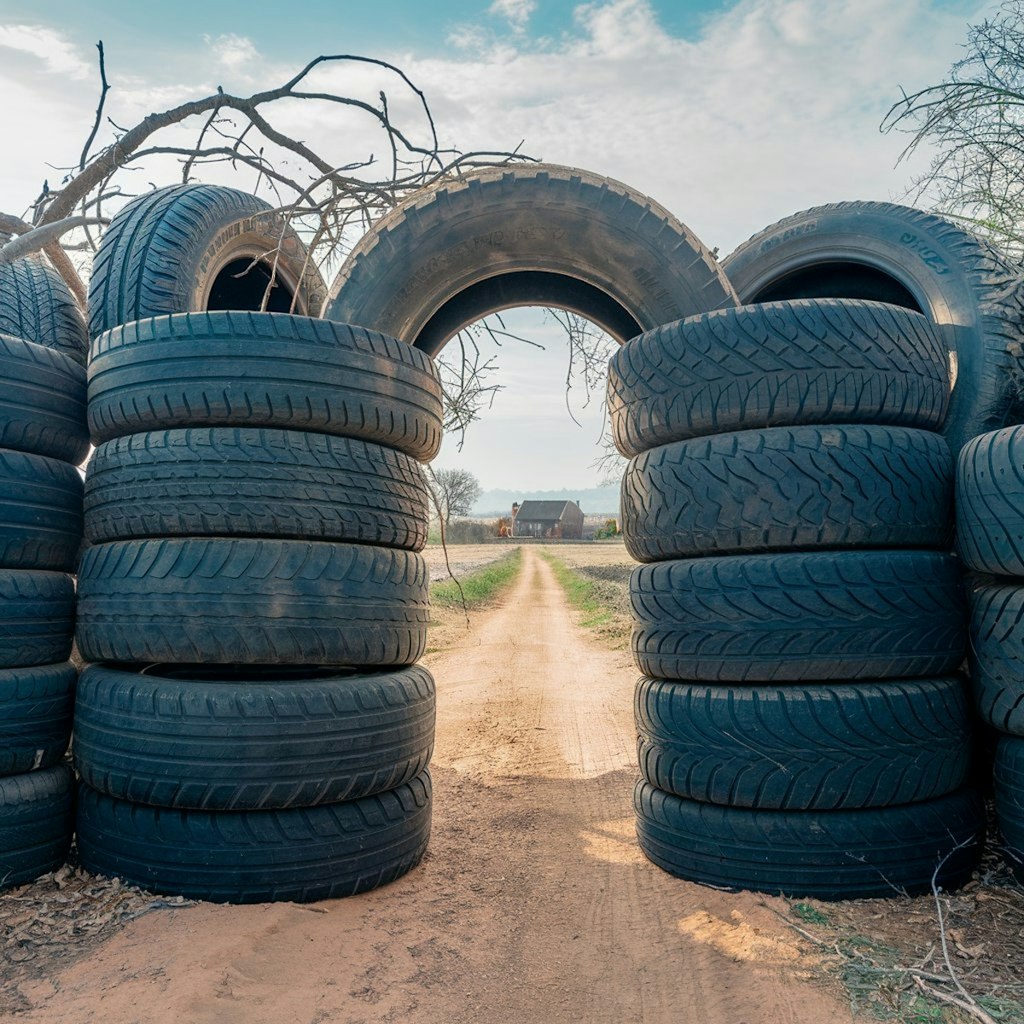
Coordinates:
536	234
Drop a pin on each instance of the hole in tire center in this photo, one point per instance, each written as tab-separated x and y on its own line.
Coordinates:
839	281
242	285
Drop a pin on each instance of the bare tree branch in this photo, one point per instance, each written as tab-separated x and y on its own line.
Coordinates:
104	89
975	119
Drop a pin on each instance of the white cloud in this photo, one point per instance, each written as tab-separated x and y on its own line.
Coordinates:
59	56
516	12
234	52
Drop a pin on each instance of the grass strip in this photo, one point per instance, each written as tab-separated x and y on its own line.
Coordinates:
480	586
585	595
600	603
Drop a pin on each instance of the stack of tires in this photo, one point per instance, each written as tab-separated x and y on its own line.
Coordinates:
255	727
43	437
990	540
799	623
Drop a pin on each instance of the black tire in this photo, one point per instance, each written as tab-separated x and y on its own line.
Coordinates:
532	234
990	503
40	512
997	653
255	483
36	705
36	304
264	370
802	748
918	260
827	855
791	617
36	819
251	602
37	617
1008	777
788	488
251	740
190	248
303	854
778	364
42	402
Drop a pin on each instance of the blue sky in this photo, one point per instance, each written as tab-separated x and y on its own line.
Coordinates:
731	114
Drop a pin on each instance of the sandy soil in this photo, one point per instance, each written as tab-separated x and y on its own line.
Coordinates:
533	905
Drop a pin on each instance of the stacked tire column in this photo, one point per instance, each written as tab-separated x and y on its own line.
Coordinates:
799	623
990	540
256	728
43	437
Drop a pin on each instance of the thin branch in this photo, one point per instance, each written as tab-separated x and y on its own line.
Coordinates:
104	89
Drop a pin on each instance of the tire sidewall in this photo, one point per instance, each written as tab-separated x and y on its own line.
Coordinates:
251	238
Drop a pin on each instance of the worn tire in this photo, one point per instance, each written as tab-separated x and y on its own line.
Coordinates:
36	705
40	512
300	855
37	617
264	370
823	854
997	653
802	748
227	481
520	235
960	282
251	602
42	402
821	361
36	304
1008	778
240	741
36	820
787	488
990	503
190	248
804	616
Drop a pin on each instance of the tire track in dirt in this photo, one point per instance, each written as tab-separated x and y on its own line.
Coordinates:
534	903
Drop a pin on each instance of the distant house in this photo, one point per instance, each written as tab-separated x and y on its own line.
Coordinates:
555	519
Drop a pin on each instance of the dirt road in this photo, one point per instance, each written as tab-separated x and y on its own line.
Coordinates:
533	905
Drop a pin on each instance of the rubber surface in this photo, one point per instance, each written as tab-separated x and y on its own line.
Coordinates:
251	602
36	819
304	854
819	747
525	235
787	488
820	361
36	304
36	705
990	503
250	740
40	512
804	616
997	652
164	251
960	282
37	617
824	854
263	370
256	483
42	402
1008	776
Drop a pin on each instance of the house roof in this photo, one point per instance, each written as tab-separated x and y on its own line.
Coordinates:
543	511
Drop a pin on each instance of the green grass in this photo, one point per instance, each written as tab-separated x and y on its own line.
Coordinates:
583	593
478	587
